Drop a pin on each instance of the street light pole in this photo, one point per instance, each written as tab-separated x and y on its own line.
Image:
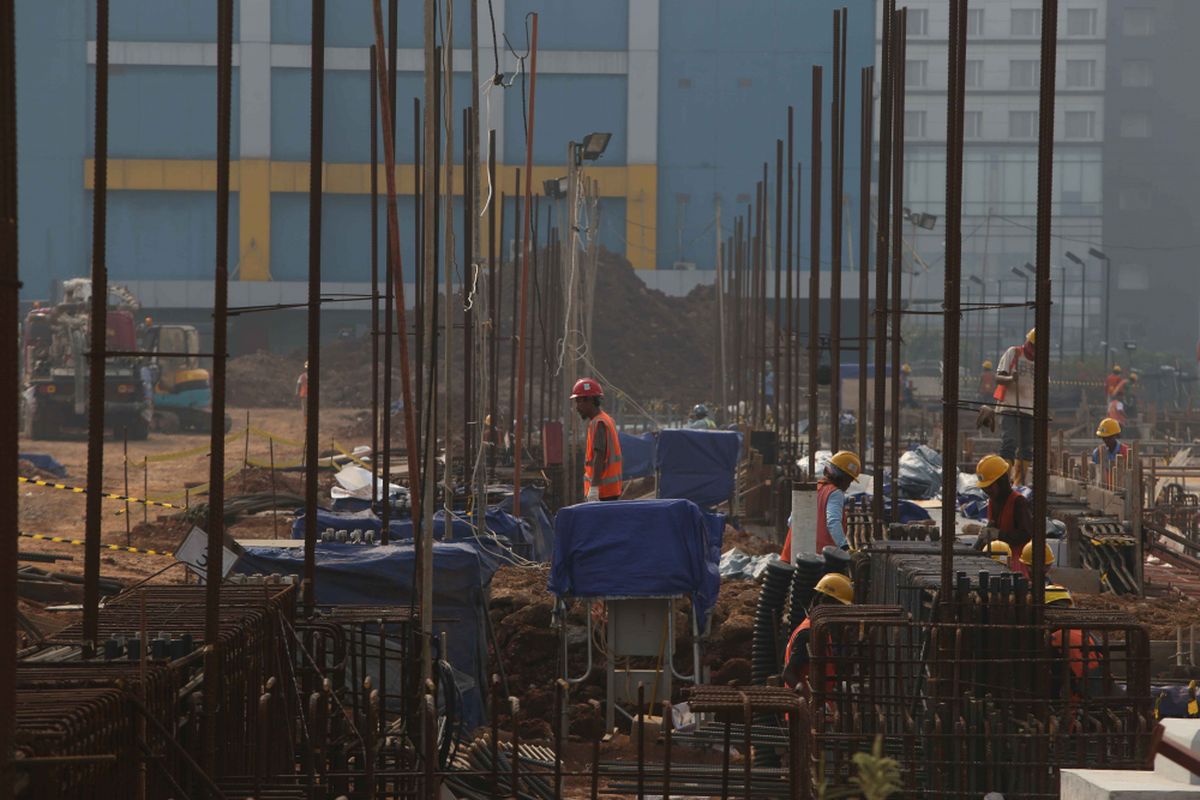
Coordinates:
1082	300
1107	288
1025	310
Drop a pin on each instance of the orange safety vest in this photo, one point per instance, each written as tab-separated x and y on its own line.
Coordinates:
802	671
1080	659
609	481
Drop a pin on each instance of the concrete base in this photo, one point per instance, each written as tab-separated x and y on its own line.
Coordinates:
1186	734
1118	784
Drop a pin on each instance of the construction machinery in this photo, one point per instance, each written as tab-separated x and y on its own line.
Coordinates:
55	365
182	391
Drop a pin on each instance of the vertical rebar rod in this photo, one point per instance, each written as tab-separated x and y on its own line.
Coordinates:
900	28
777	371
528	228
389	284
493	413
814	271
9	369
752	313
837	141
867	88
789	355
374	128
313	406
1042	300
882	236
429	354
510	416
951	302
446	119
798	352
468	160
99	325
735	282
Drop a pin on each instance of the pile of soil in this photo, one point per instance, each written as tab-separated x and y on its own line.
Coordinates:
1162	615
257	480
163	534
749	543
262	380
27	469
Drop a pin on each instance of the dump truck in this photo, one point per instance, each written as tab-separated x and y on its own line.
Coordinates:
55	366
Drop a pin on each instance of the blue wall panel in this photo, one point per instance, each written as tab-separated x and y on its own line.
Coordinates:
568	107
350	23
159	20
165	235
569	24
162	112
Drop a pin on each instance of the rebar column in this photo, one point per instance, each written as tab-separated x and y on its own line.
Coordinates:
216	461
882	234
900	29
951	301
99	325
837	122
790	414
777	365
9	371
867	89
814	271
374	127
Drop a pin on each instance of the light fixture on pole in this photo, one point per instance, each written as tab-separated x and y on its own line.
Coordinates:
594	145
555	188
1082	302
1107	288
1022	274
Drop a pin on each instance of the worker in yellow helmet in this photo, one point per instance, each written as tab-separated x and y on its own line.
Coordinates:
1026	560
1113	381
1014	404
1000	551
1080	651
908	396
1111	447
832	589
841	471
1008	511
987	382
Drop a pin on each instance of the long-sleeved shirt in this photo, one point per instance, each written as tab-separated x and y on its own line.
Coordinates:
834	510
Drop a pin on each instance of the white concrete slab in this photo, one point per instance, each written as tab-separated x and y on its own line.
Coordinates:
1186	734
1115	784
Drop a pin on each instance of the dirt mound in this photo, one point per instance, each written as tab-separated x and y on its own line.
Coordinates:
257	480
1161	614
749	543
163	534
262	380
27	469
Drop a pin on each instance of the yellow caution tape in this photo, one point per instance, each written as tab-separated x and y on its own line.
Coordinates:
275	438
194	451
114	547
105	495
351	456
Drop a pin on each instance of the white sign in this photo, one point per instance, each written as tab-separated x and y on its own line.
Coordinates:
193	551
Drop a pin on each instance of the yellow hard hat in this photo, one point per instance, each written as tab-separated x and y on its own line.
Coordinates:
1058	594
1117	368
1000	551
837	586
1031	337
1133	377
847	462
1027	555
987	364
990	469
1108	427
906	368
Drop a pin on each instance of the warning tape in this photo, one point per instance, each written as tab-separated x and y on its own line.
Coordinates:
194	451
41	537
1091	384
278	439
106	495
351	456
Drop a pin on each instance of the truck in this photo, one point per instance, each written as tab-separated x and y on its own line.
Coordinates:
55	365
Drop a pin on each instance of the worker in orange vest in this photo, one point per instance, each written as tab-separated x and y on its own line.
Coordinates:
987	382
834	588
302	390
1008	511
1081	654
843	469
602	464
1113	381
1109	432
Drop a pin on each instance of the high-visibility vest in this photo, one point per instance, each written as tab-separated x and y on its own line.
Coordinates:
825	488
1080	660
801	670
609	482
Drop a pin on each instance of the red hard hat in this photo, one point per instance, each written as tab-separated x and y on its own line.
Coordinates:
587	387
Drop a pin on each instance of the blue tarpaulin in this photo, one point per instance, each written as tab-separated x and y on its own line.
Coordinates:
350	574
637	455
697	465
537	516
638	548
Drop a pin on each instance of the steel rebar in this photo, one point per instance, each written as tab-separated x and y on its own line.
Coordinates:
814	271
882	241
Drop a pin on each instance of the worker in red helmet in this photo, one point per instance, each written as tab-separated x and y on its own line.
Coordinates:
602	467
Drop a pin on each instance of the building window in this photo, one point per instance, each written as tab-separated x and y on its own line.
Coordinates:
1081	74
1081	22
1080	124
1135	125
1134	198
914	124
1022	124
972	124
1026	22
974	22
1133	277
916	73
1023	74
974	73
1137	74
918	22
1138	22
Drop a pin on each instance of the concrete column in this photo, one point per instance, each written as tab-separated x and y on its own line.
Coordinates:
641	206
254	127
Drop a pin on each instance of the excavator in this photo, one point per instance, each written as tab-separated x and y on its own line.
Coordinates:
182	389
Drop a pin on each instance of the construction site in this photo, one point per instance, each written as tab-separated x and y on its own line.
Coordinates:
392	431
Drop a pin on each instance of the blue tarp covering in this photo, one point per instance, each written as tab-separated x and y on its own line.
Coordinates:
697	465
537	516
909	511
638	548
637	455
350	574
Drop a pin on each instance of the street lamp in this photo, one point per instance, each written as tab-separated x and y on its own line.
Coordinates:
1020	273
1082	301
594	145
555	188
1107	287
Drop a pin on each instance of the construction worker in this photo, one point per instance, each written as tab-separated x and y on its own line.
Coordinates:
841	471
1081	654
700	419
602	465
1014	404
302	390
1112	381
908	395
1008	510
987	382
832	589
1107	453
1116	402
1000	551
769	388
1026	560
